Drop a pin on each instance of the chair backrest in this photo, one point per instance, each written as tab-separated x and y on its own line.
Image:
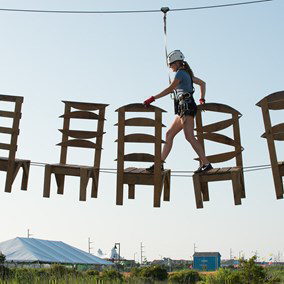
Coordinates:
274	133
14	129
156	122
208	132
80	138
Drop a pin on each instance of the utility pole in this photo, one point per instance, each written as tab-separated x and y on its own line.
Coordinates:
141	251
89	245
231	254
194	248
29	234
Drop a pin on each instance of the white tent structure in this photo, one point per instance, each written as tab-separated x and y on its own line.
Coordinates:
31	250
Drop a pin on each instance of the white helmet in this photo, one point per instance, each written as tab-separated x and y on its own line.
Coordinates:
175	56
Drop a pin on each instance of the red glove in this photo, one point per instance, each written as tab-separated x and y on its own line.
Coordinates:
202	101
149	101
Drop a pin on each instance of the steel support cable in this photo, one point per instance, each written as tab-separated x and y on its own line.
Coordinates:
132	11
178	173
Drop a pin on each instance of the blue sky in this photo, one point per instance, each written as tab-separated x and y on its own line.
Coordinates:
119	59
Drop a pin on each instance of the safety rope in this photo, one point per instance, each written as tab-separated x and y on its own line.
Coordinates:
165	10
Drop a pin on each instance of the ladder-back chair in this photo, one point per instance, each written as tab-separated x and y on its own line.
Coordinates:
208	132
274	133
78	110
133	175
10	164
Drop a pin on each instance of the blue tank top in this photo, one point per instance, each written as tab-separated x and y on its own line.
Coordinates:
185	82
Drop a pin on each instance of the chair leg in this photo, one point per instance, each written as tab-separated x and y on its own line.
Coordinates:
205	191
47	178
243	195
95	184
237	188
25	177
197	191
84	178
60	180
167	186
10	176
158	186
119	189
131	191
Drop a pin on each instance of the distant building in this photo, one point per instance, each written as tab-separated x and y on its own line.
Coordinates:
206	261
27	251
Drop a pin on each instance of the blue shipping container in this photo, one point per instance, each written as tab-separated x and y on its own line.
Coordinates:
206	261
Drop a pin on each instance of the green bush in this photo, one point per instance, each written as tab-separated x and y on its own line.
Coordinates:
184	276
24	275
2	258
91	272
150	273
5	273
112	275
251	273
225	276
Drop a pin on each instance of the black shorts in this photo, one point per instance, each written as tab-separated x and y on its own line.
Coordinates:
185	106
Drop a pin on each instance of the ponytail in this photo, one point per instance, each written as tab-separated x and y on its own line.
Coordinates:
187	68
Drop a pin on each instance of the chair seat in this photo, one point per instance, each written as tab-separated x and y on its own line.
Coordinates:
219	174
140	176
69	169
18	162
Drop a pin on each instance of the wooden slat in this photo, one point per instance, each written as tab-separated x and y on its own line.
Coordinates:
11	98
278	136
10	114
219	158
279	128
7	130
4	146
128	170
140	121
140	138
218	108
218	126
138	171
79	143
139	157
84	105
277	96
81	115
219	138
81	134
276	105
139	108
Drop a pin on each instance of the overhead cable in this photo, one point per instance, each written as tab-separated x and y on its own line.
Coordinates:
131	11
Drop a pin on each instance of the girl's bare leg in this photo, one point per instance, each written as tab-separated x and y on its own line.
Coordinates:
175	128
188	129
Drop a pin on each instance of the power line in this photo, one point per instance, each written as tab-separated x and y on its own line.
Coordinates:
131	11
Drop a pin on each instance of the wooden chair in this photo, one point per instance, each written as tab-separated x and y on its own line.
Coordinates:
274	133
207	132
81	110
10	164
133	175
